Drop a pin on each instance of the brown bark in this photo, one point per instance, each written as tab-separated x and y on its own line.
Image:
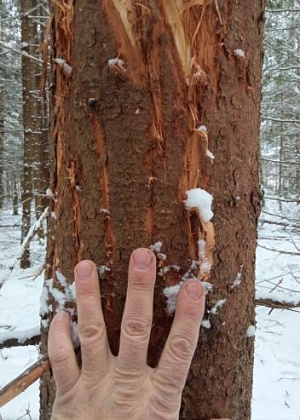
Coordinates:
124	140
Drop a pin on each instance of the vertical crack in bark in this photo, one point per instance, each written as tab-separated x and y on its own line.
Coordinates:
104	189
76	209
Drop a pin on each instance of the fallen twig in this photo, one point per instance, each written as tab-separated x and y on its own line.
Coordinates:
23	381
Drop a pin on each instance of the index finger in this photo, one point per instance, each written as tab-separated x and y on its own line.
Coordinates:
91	327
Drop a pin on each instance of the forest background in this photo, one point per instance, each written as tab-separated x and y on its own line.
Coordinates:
24	195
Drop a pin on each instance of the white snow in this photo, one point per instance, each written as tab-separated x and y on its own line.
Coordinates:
207	286
239	52
49	193
13	361
206	324
117	62
205	265
67	69
171	293
215	309
156	247
168	268
237	281
102	270
19	301
201	200
202	128
250	331
210	155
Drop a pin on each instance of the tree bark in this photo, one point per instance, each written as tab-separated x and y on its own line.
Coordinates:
125	149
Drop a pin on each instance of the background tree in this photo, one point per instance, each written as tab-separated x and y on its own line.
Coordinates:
280	109
132	84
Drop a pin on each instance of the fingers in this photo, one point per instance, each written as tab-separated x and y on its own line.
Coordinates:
91	327
61	353
177	355
137	317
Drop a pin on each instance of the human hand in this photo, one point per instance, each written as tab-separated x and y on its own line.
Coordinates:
123	387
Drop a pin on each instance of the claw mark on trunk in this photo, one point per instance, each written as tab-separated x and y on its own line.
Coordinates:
104	188
76	209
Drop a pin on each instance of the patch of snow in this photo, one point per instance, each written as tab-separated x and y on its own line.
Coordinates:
202	128
102	270
237	281
239	52
106	211
117	62
67	69
206	324
250	331
205	265
156	247
171	293
168	268
207	286
202	200
217	306
210	155
13	361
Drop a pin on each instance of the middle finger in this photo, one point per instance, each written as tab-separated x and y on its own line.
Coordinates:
137	318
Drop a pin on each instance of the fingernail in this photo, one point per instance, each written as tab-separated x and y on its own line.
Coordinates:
142	258
84	270
194	290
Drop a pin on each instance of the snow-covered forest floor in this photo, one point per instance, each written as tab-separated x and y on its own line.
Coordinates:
277	343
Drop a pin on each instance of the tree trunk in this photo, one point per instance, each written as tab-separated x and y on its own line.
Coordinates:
42	152
132	83
2	124
30	80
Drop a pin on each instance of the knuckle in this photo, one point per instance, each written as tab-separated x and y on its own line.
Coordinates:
165	398
182	347
59	357
91	332
136	327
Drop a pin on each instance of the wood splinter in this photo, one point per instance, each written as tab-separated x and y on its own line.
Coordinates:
23	381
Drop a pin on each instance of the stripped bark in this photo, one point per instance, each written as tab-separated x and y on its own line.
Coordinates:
132	83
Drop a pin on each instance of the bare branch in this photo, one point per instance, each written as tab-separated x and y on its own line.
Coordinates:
285	162
279	120
282	10
285	200
280	251
23	53
270	303
23	381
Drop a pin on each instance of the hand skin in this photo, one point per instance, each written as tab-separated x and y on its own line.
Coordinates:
123	387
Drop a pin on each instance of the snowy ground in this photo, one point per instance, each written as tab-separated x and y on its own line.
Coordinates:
277	346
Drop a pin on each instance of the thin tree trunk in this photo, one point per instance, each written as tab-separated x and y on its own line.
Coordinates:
42	152
126	148
30	79
2	125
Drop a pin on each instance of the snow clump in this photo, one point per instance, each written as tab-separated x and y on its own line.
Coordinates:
202	200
